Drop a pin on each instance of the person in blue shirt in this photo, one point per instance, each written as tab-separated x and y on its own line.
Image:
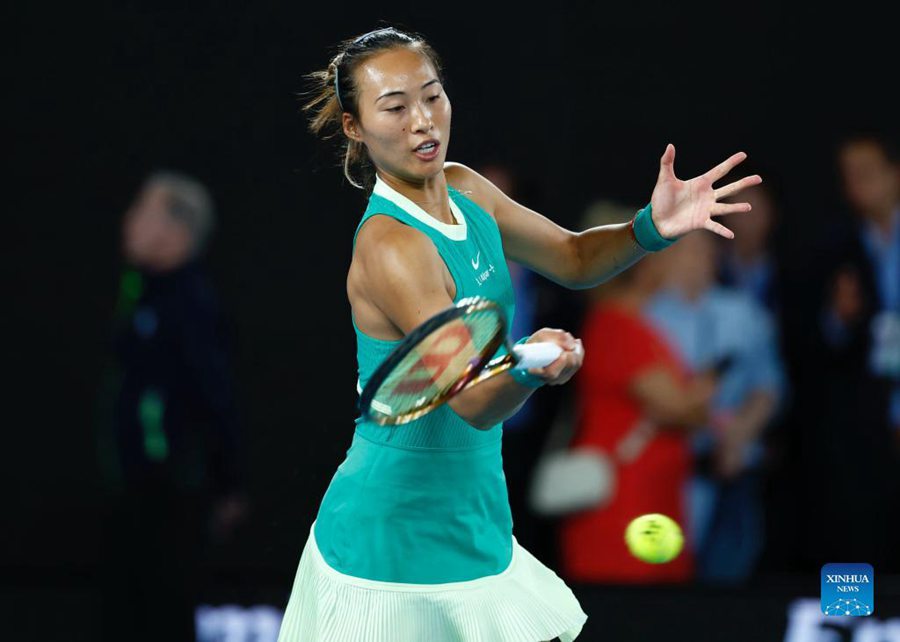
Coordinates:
848	376
870	177
754	262
710	324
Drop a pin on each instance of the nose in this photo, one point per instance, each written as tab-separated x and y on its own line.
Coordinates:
421	115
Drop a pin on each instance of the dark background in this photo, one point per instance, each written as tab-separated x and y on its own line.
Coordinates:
579	101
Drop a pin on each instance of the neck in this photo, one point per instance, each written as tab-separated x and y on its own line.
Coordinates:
164	268
429	194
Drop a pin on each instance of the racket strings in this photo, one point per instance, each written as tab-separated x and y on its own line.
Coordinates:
439	364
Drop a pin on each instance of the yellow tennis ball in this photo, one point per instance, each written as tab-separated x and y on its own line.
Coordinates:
654	538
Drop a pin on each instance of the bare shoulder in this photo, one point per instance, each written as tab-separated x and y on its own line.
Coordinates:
386	246
392	262
472	184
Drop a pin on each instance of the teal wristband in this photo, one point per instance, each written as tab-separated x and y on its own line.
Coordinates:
523	376
645	232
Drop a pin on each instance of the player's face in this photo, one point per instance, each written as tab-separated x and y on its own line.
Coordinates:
871	182
402	104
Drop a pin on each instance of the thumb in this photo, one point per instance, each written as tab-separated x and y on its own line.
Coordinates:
667	162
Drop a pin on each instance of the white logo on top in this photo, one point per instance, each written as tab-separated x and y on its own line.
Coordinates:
483	276
476	260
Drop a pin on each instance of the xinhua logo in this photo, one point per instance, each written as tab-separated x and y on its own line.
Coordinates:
848	589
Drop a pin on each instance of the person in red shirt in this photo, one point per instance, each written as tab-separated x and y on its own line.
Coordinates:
635	403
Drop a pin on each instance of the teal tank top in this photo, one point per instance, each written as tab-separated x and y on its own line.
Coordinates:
425	502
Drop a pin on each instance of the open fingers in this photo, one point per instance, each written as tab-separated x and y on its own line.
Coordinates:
717	172
737	186
667	163
729	208
719	229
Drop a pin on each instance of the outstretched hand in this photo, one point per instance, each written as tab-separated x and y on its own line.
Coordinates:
679	207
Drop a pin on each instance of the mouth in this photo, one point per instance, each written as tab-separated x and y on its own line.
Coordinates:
428	150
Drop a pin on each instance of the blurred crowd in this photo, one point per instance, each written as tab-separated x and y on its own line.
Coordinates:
752	398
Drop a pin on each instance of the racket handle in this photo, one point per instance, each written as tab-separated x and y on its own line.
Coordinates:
536	355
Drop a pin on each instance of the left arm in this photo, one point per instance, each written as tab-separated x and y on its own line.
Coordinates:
579	260
739	430
766	396
206	358
205	353
751	419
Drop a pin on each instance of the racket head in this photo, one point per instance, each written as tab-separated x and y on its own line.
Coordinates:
434	362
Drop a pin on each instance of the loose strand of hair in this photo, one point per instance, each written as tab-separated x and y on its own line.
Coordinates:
348	163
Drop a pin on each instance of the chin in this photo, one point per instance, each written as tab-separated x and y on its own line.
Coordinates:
422	174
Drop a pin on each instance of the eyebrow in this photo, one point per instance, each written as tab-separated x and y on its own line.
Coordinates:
394	93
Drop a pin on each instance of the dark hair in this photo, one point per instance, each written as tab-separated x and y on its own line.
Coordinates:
326	108
871	136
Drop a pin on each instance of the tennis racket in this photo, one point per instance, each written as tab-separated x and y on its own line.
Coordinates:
443	356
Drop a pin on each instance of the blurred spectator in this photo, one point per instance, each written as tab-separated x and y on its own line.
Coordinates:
849	364
749	262
708	324
757	263
173	459
865	290
635	404
524	431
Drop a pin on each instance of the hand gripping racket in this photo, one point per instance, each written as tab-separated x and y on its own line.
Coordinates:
443	356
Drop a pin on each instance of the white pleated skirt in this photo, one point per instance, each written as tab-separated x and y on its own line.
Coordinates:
527	602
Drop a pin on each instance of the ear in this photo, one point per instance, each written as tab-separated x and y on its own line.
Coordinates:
350	127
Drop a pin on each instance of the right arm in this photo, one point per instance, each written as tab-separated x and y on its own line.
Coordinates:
403	279
670	403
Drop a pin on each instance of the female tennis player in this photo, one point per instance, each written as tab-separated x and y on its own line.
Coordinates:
413	539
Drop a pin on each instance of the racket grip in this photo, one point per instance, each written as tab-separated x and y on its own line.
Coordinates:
536	355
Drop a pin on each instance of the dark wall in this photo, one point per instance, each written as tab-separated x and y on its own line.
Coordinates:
582	101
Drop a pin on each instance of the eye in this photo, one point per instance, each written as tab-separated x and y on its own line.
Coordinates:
433	98
397	108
